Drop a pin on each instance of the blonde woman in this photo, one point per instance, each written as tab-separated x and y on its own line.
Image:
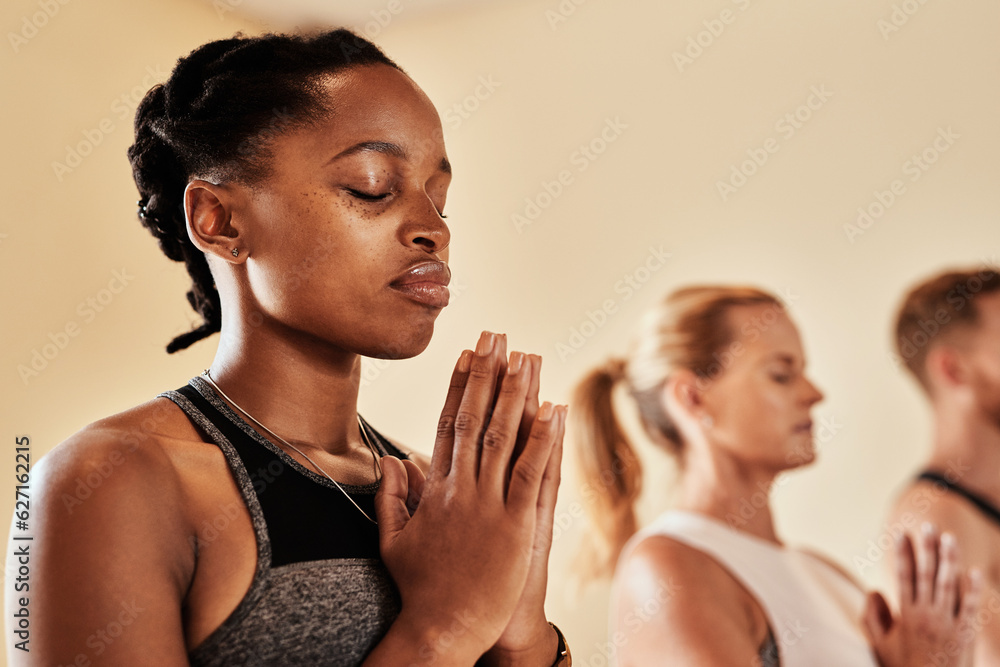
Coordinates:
718	377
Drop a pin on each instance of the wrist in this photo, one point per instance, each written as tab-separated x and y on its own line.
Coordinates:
413	640
539	651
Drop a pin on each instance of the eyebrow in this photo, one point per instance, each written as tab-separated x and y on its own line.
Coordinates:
781	357
387	148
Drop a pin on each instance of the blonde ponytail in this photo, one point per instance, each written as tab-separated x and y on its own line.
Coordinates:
611	470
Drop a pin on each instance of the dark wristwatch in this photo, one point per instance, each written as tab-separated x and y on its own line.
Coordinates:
563	657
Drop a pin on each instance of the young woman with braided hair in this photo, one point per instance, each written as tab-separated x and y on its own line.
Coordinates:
718	376
251	516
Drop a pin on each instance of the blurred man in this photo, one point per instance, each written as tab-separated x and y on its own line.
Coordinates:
948	336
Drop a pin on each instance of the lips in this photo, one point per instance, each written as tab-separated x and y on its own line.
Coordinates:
804	427
425	283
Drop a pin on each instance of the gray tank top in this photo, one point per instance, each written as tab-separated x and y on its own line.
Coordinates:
320	594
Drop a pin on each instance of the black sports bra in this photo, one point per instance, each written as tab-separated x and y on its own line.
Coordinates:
983	505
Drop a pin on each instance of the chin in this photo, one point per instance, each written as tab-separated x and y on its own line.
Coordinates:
800	456
404	345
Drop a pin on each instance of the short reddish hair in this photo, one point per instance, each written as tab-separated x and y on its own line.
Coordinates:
937	308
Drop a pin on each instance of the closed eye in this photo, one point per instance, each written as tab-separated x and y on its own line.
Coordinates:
365	196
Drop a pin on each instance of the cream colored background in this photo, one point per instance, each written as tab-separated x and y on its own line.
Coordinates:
654	186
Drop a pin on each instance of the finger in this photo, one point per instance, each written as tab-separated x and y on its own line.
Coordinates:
472	415
445	442
972	597
530	403
946	585
549	492
877	618
415	485
390	501
529	468
926	562
905	567
501	352
501	433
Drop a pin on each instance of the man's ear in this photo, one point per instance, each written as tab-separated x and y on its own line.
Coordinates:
208	213
946	366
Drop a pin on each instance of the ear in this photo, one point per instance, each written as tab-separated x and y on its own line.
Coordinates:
208	212
945	366
684	391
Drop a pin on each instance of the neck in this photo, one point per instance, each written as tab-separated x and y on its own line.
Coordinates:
304	391
967	449
716	485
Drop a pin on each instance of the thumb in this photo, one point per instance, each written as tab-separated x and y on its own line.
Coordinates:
877	618
390	501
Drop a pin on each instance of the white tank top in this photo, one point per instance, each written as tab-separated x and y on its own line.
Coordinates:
814	610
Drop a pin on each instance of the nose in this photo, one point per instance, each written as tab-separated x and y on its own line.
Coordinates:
425	229
813	394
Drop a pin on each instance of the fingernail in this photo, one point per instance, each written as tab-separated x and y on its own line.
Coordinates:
545	412
926	528
947	540
465	361
515	363
976	575
486	343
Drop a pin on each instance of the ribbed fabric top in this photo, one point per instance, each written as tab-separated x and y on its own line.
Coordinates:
813	610
320	594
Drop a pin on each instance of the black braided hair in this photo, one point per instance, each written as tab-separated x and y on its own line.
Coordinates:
214	118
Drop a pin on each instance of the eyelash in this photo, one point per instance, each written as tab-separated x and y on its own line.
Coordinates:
782	379
364	196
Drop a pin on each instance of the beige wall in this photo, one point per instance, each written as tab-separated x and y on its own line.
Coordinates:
676	132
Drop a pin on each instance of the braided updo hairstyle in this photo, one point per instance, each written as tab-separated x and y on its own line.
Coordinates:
214	118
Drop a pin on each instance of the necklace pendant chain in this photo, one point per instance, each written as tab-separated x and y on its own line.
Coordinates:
364	436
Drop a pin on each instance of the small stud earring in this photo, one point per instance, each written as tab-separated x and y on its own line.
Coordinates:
236	253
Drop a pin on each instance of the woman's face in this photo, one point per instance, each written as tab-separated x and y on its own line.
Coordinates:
347	246
761	400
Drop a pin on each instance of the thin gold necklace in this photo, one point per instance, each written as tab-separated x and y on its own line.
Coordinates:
364	437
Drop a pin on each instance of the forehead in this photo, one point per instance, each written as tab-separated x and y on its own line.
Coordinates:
374	103
765	331
988	311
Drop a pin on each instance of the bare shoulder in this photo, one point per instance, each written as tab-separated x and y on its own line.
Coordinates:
671	595
110	534
923	501
691	577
